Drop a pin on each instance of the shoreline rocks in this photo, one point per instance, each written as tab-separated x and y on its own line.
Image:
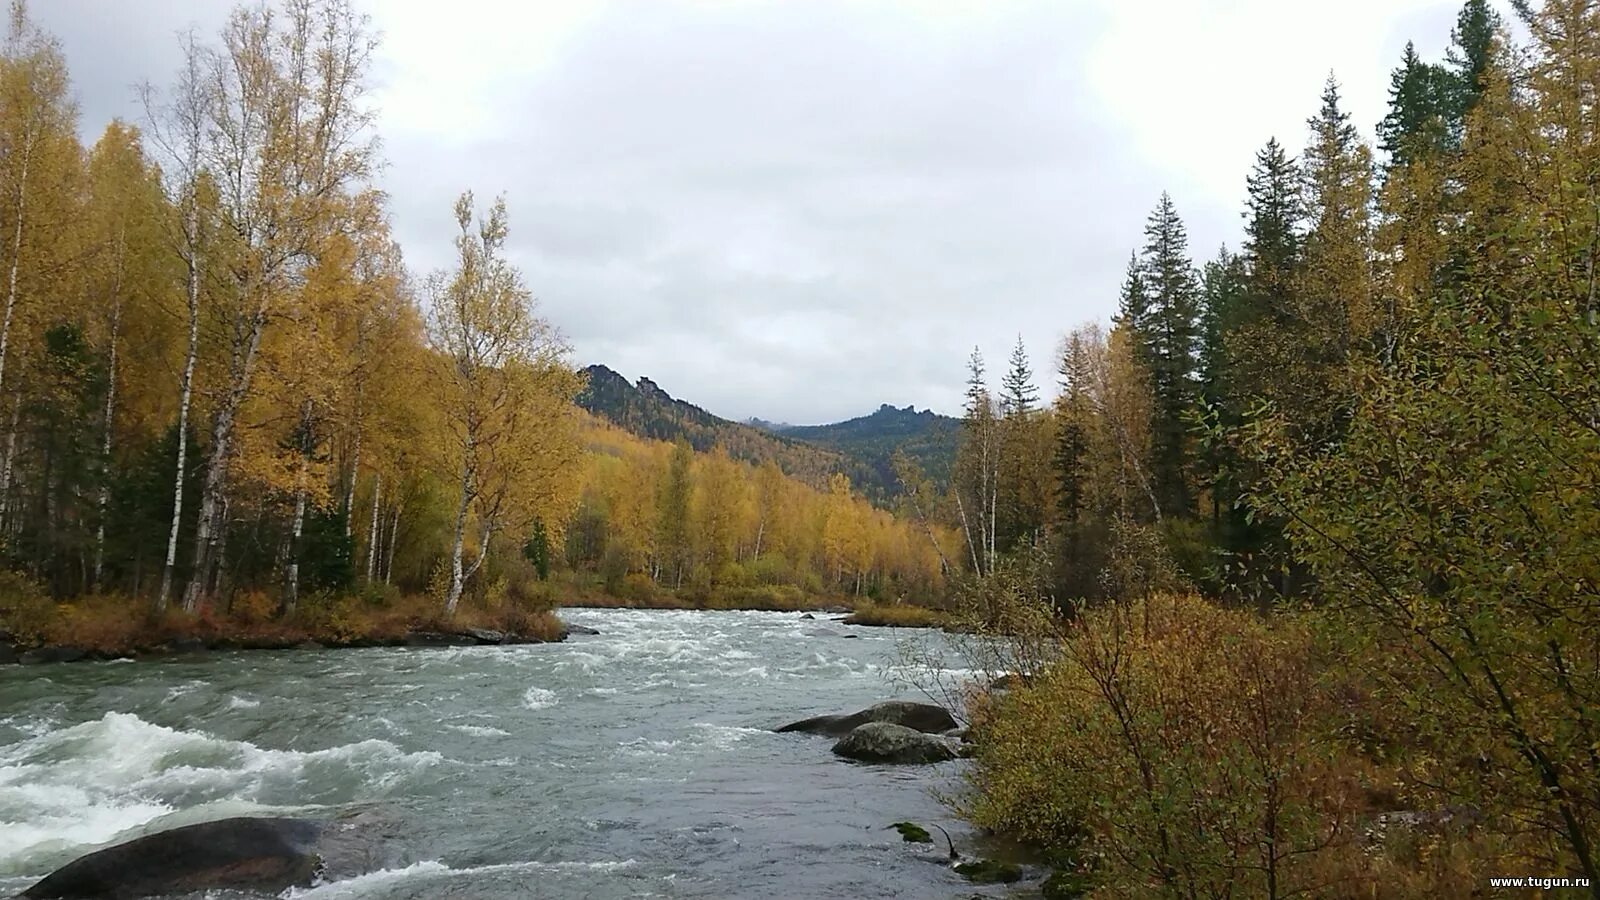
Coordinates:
921	717
463	637
886	742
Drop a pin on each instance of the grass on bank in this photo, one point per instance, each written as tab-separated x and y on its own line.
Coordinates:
899	615
113	624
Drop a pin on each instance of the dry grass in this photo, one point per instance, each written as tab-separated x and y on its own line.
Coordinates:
111	625
901	615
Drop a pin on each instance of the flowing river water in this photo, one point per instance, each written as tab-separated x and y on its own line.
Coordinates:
635	763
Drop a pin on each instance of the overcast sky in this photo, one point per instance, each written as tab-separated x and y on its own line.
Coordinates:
800	210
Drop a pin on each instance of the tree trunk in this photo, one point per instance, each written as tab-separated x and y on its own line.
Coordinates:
11	290
350	490
104	499
453	597
372	530
394	540
208	530
10	521
185	397
291	599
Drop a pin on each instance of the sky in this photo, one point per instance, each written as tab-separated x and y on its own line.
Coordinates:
802	210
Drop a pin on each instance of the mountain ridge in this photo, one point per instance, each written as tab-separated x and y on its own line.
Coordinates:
860	448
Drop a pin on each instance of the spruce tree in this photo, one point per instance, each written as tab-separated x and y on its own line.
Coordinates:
1470	55
1019	392
1274	215
1168	333
1423	101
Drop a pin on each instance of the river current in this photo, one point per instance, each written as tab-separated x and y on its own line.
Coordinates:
635	763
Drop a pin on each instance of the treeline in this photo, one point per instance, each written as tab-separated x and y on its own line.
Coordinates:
1368	437
1157	432
654	515
219	384
216	375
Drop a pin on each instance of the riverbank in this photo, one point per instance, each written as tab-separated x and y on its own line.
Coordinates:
109	627
36	629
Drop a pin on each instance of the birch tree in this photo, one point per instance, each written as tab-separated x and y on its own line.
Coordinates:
287	136
502	366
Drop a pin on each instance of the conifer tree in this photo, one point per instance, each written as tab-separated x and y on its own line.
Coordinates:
1019	392
1470	56
1168	333
1423	110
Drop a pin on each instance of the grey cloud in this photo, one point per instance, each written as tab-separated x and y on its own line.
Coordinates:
793	210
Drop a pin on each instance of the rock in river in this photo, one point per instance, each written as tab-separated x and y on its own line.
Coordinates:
264	854
885	742
923	717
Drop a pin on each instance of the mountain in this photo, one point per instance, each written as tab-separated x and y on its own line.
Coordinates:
925	436
646	410
860	448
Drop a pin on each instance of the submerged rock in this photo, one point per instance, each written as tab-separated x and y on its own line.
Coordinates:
53	655
485	635
265	854
885	742
919	716
571	628
437	639
808	616
990	871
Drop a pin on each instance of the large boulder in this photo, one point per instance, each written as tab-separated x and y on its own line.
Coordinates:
885	742
918	716
261	854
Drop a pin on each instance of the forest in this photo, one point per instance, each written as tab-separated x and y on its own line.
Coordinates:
226	396
1299	569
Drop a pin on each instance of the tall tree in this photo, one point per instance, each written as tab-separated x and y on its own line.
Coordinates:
976	481
499	361
1168	332
36	169
287	135
1471	55
1423	110
1019	394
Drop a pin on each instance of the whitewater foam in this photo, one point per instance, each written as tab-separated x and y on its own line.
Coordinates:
478	730
539	698
91	782
431	870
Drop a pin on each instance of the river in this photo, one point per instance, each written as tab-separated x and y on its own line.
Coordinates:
635	763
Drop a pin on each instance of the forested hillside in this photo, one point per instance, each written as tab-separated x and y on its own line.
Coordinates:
648	411
926	437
